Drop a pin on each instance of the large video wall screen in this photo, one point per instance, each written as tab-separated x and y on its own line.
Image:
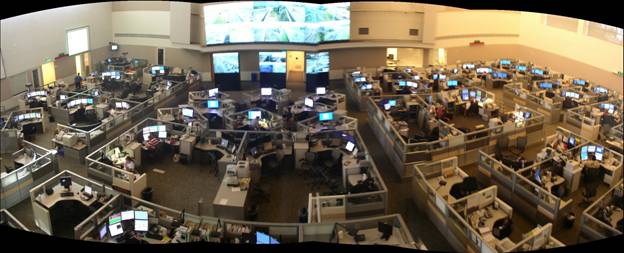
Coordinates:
317	62
225	63
276	21
273	62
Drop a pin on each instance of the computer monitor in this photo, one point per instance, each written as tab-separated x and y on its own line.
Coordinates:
162	134
537	71
392	102
416	77
584	153
484	70
435	77
527	115
451	83
114	47
140	215
213	104
350	146
538	175
412	84
387	106
521	68
187	112
88	190
127	215
599	153
572	141
468	66
369	86
262	238
308	102
360	79
402	83
114	218
213	92
254	114
464	95
545	85
224	142
63	97
115	229
325	116
103	231
442	77
266	91
579	82
600	90
473	94
141	225
66	182
505	62
591	148
500	75
320	90
385	229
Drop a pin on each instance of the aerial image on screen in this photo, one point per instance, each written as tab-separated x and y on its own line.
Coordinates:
225	63
276	21
317	62
273	62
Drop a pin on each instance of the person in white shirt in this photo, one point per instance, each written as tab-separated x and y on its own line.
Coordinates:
129	164
494	122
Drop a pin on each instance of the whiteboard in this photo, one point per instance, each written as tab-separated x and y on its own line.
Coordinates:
78	40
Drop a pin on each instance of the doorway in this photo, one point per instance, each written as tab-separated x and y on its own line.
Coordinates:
161	56
35	78
295	71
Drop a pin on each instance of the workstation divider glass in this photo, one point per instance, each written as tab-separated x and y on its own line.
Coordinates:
121	178
348	205
588	120
45	196
593	224
360	85
266	97
183	226
14	131
451	216
7	219
33	164
452	142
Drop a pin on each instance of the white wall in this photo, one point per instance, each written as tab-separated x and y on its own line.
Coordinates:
387	21
141	23
459	28
27	40
575	45
180	22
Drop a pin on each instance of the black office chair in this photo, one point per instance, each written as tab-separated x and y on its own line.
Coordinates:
521	143
29	132
470	185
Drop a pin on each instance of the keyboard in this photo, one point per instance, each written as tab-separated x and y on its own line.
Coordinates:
67	194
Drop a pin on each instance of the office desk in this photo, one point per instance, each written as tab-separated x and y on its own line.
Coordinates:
226	159
615	144
115	112
616	216
488	224
230	202
49	201
373	236
73	110
549	183
445	190
22	160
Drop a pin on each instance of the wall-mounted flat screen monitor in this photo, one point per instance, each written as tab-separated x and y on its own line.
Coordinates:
272	62
317	62
266	91
505	62
213	104
213	92
308	102
187	112
254	114
521	68
451	83
225	63
321	90
579	82
325	116
127	215
276	21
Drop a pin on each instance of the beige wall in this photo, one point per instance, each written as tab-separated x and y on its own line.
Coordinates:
141	6
350	58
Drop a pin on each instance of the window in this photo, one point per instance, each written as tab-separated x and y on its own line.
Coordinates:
77	40
605	32
565	23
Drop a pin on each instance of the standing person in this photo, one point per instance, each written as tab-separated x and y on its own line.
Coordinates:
77	81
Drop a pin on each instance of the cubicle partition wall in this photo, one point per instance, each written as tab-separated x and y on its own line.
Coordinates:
593	226
514	93
170	114
613	138
314	125
11	132
60	112
17	183
587	120
122	179
323	208
7	219
281	98
355	92
237	120
220	230
41	212
404	153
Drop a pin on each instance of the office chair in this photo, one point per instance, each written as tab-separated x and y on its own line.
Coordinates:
521	143
29	132
470	184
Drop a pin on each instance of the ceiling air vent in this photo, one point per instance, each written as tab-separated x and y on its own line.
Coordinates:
413	32
363	30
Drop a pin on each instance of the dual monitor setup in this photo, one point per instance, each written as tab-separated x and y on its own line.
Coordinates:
112	74
36	93
126	220
122	105
608	107
82	101
158	71
160	129
403	83
598	152
26	116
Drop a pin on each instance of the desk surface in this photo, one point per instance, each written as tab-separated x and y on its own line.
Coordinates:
616	216
374	237
23	159
227	197
446	189
50	200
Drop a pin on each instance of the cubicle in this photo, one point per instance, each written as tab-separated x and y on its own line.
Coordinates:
344	205
454	218
328	97
405	152
183	115
62	112
223	230
588	120
220	105
596	223
613	138
274	100
360	85
314	125
37	165
7	219
269	121
13	130
46	195
514	93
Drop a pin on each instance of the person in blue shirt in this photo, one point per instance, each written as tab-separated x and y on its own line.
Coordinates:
77	81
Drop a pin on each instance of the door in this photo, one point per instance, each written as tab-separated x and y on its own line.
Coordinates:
295	69
161	56
35	78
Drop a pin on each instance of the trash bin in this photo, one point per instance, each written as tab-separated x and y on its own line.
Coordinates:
146	194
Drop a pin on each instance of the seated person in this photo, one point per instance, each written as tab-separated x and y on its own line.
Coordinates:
472	108
494	122
152	142
129	164
441	114
79	115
